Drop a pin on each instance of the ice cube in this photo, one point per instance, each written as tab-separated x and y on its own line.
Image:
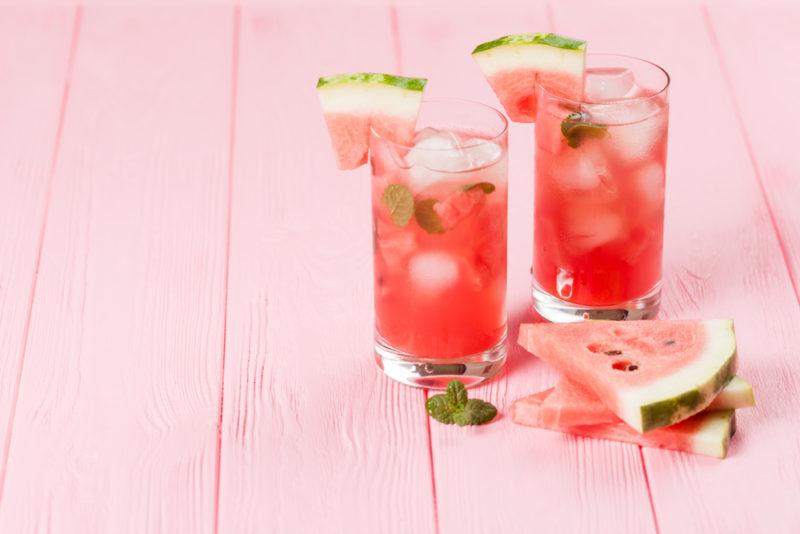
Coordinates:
649	181
587	230
481	152
435	153
433	271
634	127
581	169
395	244
611	83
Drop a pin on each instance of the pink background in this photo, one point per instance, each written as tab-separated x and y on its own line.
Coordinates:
185	295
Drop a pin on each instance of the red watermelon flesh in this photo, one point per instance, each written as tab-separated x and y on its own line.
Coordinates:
650	374
707	433
352	103
516	89
571	404
350	138
516	66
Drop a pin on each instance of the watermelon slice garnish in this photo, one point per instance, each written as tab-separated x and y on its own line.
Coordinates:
355	101
707	433
515	65
571	404
651	374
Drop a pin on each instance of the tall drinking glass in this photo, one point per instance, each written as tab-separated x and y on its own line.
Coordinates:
599	194
439	210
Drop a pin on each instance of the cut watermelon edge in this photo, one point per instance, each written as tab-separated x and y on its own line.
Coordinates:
667	401
710	438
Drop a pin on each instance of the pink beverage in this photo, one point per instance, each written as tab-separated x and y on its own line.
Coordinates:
439	220
599	194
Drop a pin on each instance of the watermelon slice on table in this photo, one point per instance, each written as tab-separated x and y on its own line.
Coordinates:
514	65
651	374
707	433
353	102
571	404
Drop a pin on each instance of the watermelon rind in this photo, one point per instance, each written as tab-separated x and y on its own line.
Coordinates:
669	400
714	436
664	399
401	82
354	102
547	39
515	66
571	407
738	393
707	433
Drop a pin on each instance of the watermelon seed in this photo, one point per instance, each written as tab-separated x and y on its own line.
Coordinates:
613	352
669	342
625	365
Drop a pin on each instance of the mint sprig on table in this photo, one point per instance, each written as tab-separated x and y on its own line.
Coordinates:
454	406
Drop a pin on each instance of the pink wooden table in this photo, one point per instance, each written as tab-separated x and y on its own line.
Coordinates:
185	291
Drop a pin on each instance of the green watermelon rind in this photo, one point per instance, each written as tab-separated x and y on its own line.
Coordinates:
711	438
738	394
657	409
706	440
400	82
523	39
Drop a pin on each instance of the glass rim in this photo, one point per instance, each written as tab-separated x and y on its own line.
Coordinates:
645	98
473	143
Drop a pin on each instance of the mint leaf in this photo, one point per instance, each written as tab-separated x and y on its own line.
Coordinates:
475	412
453	406
486	187
439	408
427	218
456	394
577	127
400	202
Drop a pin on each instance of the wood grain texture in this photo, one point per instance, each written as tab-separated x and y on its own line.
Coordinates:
33	72
722	259
314	437
115	427
763	74
503	477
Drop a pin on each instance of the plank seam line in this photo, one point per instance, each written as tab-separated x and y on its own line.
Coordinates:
551	23
394	25
433	470
712	34
62	112
649	490
237	15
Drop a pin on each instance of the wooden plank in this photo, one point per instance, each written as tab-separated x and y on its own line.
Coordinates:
722	259
115	426
503	477
34	57
314	438
763	73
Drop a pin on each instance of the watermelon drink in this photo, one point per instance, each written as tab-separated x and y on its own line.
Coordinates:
439	206
599	193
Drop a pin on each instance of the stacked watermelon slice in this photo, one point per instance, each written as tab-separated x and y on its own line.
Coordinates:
666	384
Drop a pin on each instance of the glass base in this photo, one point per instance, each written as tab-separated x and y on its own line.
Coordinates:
435	373
560	311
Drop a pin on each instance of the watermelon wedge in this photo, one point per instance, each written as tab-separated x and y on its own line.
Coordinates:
707	433
353	102
571	404
651	374
514	65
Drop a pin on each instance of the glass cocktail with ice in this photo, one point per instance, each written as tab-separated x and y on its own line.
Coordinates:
439	208
599	193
